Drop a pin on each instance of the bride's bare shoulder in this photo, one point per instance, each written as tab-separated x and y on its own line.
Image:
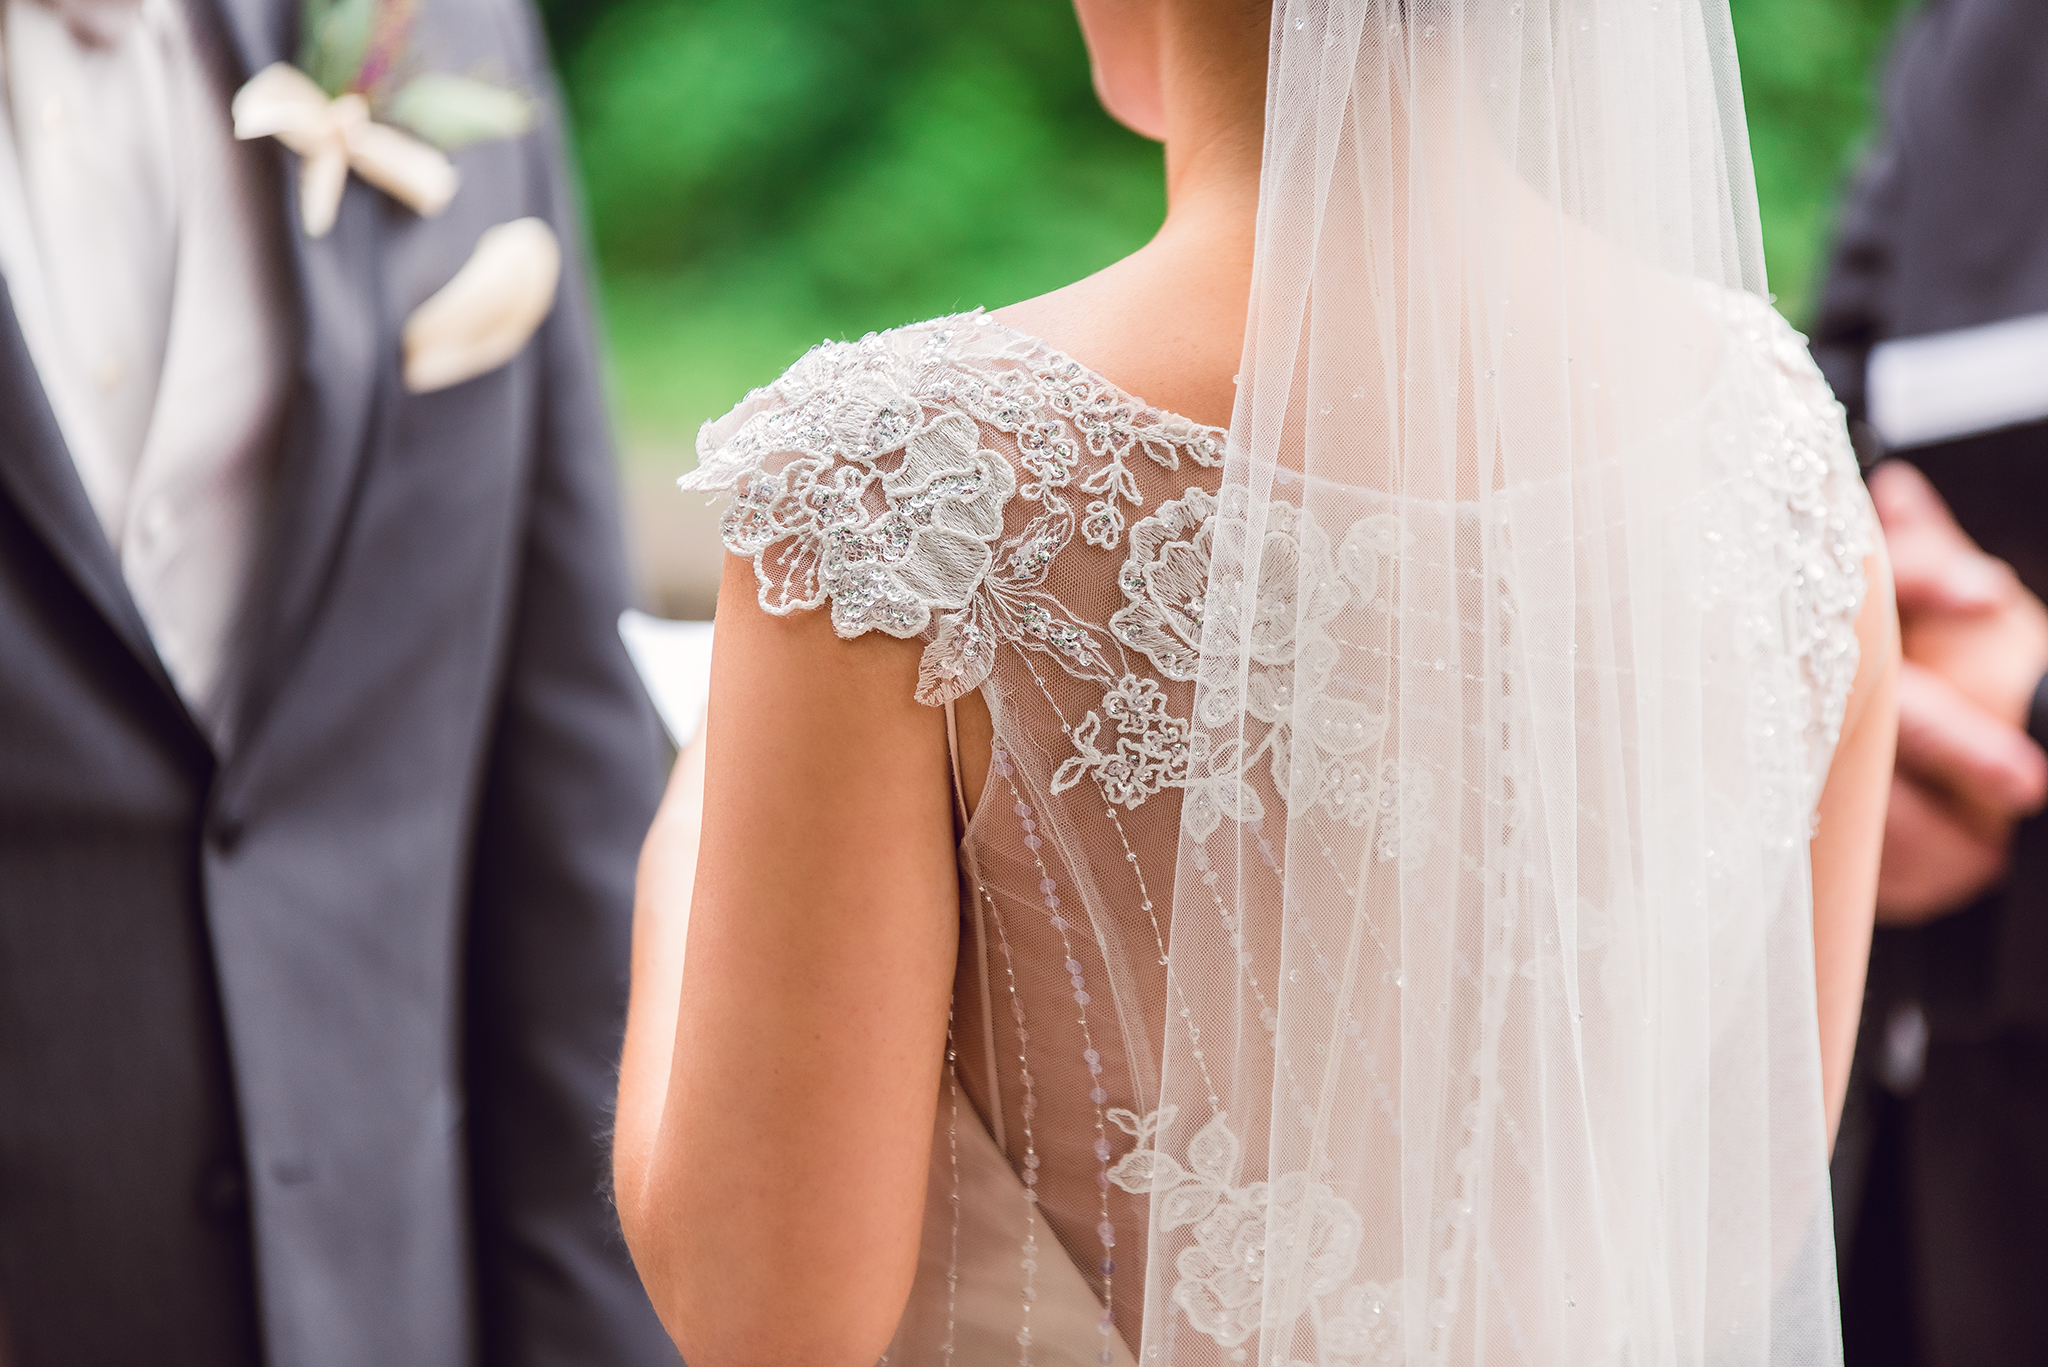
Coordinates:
1166	322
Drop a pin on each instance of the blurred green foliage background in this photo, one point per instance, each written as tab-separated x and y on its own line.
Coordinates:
764	173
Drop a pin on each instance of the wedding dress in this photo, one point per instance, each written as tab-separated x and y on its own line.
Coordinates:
1385	926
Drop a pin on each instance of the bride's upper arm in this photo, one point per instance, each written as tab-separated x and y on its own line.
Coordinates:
784	1194
1849	831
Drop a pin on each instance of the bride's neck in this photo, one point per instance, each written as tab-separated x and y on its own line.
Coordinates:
1167	322
1212	80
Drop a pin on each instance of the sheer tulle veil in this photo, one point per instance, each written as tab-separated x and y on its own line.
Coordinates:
1491	1008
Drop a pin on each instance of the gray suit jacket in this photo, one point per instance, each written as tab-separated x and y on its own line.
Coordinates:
307	1037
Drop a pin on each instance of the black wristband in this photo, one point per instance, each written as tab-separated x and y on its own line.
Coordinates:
2037	715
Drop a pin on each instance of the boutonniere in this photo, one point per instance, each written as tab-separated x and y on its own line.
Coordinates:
358	101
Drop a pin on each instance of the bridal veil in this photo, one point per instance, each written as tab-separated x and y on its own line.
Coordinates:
1490	1024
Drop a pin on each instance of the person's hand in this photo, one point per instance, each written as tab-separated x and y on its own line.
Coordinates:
1933	863
1936	568
1962	613
1963	779
1977	645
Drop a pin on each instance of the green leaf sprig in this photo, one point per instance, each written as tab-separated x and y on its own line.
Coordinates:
363	47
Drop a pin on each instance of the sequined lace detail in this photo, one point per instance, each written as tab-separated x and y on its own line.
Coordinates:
864	478
1808	469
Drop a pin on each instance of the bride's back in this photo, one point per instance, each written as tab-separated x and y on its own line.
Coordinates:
1046	546
1059	579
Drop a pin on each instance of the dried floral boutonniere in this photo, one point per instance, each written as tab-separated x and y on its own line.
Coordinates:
357	101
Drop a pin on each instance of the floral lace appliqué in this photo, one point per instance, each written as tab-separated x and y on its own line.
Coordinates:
1151	751
1314	734
1111	425
1242	1231
863	479
886	547
1165	581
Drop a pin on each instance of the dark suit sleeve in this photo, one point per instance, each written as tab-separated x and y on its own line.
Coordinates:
1855	303
574	775
1852	306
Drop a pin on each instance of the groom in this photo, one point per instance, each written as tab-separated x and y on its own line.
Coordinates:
322	772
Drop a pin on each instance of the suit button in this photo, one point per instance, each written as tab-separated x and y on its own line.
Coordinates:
224	1194
226	832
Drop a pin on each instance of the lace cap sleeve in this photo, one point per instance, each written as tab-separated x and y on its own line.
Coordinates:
851	488
1832	530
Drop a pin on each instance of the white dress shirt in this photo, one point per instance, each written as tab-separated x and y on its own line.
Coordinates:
140	254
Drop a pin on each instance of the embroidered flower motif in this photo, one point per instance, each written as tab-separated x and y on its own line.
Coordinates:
1151	752
1215	793
1315	725
1240	1232
1165	580
1104	417
926	550
1104	524
872	416
1113	427
916	543
1298	589
1048	452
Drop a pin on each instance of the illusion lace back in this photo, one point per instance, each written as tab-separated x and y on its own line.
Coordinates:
1048	537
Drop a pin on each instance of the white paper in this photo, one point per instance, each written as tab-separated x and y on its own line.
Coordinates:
1953	384
674	663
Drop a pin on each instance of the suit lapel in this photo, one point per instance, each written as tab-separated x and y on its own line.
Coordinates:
328	420
258	32
330	414
37	471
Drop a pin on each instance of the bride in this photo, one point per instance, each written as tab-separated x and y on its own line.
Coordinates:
1362	855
